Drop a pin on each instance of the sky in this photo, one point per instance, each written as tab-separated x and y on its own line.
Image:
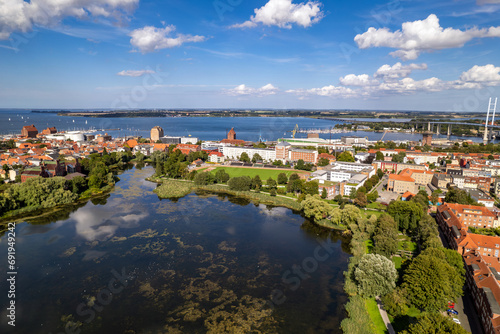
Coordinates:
259	54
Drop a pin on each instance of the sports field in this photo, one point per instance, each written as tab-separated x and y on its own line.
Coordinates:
264	174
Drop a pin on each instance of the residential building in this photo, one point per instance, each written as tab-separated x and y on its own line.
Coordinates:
401	184
467	215
395	167
188	148
482	279
458	180
216	157
309	156
421	177
441	180
481	197
354	140
234	152
282	151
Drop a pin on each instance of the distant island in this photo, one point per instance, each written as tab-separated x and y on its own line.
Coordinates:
326	114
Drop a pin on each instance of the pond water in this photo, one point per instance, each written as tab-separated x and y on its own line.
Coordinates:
132	263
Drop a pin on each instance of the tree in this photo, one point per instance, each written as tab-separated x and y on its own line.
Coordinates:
357	320
399	157
294	186
256	157
345	156
455	195
385	238
293	177
241	183
350	215
311	188
244	157
380	173
256	183
315	208
401	211
221	176
324	194
323	162
375	275
282	178
395	302
159	168
139	157
361	200
204	178
271	183
301	165
379	156
431	282
434	324
78	185
372	197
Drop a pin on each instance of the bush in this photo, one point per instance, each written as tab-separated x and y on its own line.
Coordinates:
241	183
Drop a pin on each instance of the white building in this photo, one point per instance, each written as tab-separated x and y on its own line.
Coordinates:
234	152
216	157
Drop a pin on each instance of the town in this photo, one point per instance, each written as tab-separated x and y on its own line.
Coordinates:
459	184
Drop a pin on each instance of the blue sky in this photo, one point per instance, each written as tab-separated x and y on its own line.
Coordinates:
411	55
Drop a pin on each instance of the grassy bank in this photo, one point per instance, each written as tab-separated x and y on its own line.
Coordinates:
376	318
174	189
179	188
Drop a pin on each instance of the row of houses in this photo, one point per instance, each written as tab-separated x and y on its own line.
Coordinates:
480	254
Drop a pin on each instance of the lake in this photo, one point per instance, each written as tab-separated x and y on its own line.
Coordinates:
132	263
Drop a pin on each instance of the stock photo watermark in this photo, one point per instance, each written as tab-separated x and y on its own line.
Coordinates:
11	274
139	93
224	6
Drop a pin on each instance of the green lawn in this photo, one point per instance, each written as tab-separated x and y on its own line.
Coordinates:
376	205
252	172
369	246
410	245
397	261
377	321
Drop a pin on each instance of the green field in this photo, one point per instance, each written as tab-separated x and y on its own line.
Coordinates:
264	174
377	321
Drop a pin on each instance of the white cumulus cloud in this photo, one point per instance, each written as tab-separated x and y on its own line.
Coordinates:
358	80
21	16
150	39
389	80
330	91
485	74
132	73
419	36
397	71
244	90
284	13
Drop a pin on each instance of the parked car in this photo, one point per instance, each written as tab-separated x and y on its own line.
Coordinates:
452	311
456	320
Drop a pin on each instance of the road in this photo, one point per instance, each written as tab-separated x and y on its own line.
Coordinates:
385	196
